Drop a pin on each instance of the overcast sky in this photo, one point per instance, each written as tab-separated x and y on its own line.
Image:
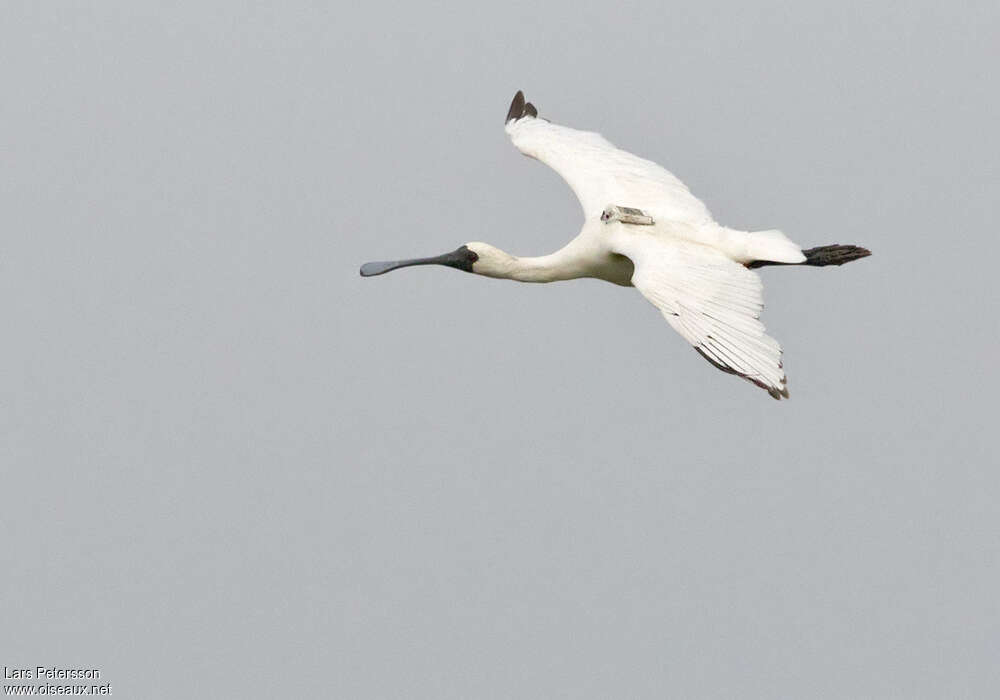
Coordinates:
231	467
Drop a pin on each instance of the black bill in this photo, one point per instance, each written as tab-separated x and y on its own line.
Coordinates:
460	258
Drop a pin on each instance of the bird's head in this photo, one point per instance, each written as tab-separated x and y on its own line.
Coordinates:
481	258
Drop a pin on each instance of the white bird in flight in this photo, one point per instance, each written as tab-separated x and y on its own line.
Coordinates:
643	228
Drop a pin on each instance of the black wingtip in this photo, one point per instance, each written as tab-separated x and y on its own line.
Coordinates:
516	110
520	109
776	392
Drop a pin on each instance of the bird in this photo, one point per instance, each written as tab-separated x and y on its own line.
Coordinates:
643	228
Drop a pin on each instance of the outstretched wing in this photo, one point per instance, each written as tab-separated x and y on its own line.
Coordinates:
712	301
598	173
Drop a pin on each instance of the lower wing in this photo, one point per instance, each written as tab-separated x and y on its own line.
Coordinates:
712	301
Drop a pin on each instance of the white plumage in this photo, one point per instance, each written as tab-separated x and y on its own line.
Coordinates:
599	174
694	270
712	301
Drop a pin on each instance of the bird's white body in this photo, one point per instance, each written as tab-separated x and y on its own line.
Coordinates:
691	268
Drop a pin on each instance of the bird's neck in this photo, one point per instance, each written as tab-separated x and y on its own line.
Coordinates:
545	268
561	265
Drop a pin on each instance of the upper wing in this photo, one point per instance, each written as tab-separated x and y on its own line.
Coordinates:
599	173
712	301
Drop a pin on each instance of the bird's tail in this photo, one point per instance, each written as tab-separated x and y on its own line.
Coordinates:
823	255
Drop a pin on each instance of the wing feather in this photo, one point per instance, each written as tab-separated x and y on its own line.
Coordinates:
599	173
712	301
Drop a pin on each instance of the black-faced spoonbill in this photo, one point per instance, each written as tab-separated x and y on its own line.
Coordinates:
644	228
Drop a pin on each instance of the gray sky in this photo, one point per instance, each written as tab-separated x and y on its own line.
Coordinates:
233	468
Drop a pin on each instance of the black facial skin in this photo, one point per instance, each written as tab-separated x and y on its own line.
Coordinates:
460	259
